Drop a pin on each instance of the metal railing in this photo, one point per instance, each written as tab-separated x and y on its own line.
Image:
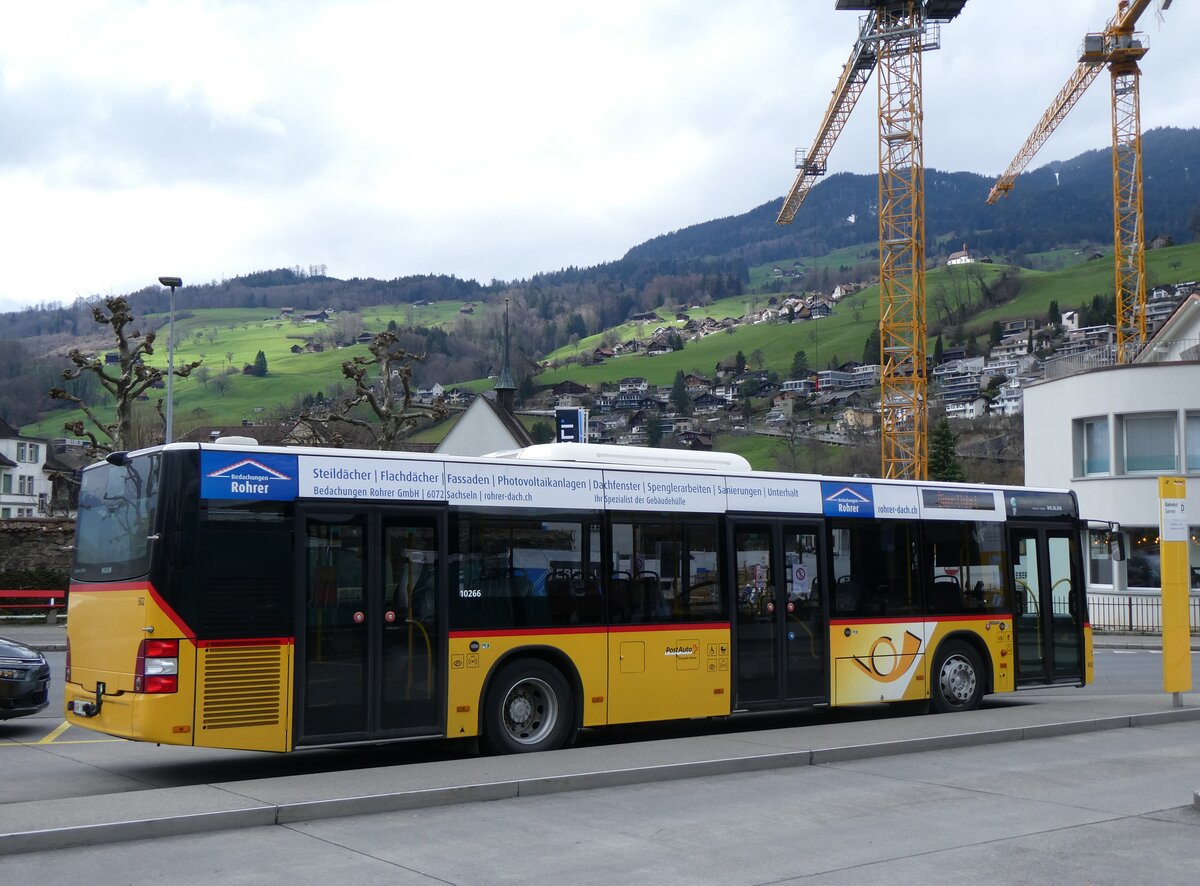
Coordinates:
1134	613
1106	355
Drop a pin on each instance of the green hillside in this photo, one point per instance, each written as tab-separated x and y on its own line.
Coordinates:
228	338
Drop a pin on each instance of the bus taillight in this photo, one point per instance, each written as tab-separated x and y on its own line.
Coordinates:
157	667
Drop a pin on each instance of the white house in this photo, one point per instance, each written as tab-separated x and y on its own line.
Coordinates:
25	486
962	257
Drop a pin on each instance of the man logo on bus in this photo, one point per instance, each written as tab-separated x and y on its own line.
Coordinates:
884	665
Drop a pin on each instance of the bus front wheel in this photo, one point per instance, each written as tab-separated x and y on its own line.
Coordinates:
958	678
528	708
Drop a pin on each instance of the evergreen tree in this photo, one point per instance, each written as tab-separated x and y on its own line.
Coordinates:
654	432
943	454
260	364
939	351
740	362
680	401
799	364
541	432
871	348
526	389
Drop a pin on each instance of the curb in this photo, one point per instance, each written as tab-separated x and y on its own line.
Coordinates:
261	814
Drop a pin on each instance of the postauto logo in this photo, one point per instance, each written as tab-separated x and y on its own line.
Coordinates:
239	475
847	499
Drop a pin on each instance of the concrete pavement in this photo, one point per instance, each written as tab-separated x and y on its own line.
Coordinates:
195	809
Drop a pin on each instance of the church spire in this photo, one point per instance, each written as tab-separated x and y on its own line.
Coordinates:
506	388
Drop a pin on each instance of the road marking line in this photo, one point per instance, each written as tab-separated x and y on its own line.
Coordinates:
34	744
56	733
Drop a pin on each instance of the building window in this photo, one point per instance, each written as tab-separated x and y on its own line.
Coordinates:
24	485
1193	442
1095	446
20	452
1149	443
5	513
6	484
1144	567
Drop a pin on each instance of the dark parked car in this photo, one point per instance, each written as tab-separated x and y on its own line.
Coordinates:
24	680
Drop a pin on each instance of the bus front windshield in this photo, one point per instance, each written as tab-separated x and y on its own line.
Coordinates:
113	532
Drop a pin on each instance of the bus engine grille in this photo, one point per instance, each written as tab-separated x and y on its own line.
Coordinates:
241	687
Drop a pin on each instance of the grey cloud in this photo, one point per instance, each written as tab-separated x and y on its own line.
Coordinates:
128	138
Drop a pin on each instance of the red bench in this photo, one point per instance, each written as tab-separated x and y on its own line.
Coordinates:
53	602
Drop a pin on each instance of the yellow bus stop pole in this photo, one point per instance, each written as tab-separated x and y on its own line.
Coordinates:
1173	542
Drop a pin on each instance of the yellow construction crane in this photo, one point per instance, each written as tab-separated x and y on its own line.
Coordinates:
1119	47
892	36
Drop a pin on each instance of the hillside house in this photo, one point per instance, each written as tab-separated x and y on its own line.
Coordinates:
428	395
708	403
800	386
962	257
696	440
564	388
315	317
634	384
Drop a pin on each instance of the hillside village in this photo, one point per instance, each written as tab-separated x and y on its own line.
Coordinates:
835	405
835	402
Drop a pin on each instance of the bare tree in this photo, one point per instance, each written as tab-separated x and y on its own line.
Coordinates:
126	380
388	396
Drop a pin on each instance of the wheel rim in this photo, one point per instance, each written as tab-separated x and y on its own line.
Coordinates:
957	680
530	711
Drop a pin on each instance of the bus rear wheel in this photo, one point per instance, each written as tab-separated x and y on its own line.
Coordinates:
528	708
958	678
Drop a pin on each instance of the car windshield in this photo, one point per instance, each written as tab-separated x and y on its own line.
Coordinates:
117	504
13	649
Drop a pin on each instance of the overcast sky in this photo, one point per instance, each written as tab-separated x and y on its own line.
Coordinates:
483	139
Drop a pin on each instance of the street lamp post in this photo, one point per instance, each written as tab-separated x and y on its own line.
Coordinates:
171	282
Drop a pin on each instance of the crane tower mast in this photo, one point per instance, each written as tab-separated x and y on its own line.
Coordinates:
892	36
1119	47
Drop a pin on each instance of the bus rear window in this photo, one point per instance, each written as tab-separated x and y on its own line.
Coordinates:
117	505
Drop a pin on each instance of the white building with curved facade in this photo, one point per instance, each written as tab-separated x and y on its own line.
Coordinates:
1109	432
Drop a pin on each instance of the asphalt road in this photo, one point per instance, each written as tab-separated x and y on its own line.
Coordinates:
1111	807
42	760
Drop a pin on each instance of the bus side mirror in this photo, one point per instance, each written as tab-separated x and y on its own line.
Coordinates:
1116	546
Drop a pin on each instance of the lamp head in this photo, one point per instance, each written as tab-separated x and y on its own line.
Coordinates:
170	281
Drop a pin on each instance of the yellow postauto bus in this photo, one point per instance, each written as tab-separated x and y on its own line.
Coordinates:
236	596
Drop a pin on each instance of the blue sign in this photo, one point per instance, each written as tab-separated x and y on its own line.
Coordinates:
847	499
571	425
248	475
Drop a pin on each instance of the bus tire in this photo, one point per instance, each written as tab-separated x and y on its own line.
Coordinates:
958	678
528	708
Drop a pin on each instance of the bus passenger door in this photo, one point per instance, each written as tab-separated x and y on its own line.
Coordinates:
369	654
780	623
1048	606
